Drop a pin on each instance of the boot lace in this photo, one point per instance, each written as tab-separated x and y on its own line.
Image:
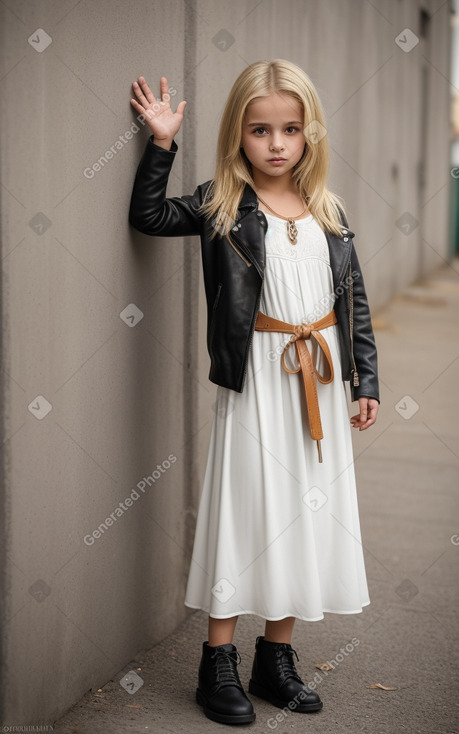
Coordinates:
285	663
225	668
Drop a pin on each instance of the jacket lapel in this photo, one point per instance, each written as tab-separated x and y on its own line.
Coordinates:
249	231
339	255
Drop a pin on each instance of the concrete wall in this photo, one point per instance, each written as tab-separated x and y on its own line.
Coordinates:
124	399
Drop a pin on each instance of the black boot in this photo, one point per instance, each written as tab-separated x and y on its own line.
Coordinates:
275	678
220	691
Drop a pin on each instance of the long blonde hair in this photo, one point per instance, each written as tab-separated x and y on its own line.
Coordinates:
233	169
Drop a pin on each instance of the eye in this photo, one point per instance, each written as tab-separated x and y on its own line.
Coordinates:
292	128
257	130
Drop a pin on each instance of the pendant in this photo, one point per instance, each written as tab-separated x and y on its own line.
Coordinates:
292	231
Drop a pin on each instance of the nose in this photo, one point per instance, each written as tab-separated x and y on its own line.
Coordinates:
277	142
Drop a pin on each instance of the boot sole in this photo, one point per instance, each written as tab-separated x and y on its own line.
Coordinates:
257	690
222	718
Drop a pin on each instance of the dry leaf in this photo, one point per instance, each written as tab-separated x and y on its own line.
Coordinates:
133	705
383	688
325	666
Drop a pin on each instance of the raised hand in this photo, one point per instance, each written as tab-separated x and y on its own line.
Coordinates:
158	114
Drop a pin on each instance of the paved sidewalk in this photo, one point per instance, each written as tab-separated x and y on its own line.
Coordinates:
407	468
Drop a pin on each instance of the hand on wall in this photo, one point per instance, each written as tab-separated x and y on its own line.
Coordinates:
163	123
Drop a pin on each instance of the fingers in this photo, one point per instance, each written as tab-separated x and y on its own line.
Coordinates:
146	96
164	87
147	105
143	92
363	415
367	415
357	422
138	107
181	108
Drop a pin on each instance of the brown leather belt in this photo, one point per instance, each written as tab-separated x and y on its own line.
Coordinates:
308	369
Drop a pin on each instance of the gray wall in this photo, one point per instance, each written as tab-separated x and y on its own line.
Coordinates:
124	398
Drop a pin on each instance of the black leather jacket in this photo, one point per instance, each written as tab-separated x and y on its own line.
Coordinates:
234	271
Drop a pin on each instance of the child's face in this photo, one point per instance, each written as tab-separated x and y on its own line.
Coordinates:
272	135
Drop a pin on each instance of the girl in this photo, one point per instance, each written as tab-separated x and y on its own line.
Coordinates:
278	531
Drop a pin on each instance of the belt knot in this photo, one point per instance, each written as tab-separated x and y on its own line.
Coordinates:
301	332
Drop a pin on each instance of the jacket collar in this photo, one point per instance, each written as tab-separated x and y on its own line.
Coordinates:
249	199
249	232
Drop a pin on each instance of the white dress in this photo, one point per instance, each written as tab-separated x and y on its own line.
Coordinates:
278	533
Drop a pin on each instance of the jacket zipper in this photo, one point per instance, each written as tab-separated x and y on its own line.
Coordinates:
251	335
356	379
212	326
247	262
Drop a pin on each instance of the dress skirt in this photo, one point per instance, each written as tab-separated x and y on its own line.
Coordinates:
278	533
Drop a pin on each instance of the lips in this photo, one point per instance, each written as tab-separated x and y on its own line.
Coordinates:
277	162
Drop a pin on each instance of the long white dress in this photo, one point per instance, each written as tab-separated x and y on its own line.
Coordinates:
278	533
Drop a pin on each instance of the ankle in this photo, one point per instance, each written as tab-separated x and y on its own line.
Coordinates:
278	639
216	642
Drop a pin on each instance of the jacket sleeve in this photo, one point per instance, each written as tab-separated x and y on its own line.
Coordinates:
365	353
150	212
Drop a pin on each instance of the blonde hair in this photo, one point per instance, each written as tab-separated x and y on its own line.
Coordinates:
233	169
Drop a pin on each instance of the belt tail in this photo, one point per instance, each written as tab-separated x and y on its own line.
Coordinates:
312	401
319	450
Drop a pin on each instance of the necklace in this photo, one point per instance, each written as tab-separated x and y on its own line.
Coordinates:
292	230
